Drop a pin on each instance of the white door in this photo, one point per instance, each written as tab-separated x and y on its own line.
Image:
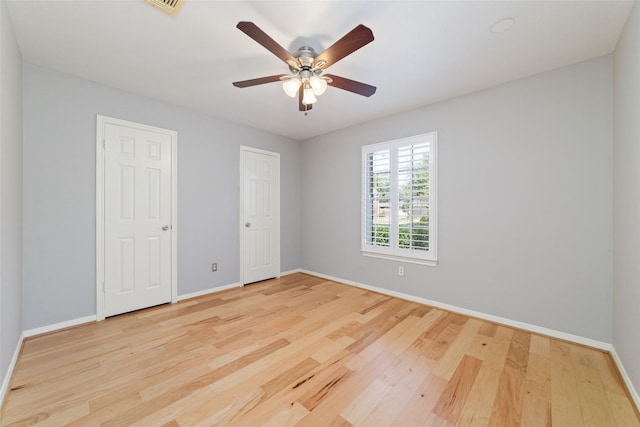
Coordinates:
260	215
138	222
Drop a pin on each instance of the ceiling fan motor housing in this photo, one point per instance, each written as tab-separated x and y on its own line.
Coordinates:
305	56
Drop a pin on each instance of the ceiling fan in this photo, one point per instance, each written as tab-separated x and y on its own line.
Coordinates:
306	66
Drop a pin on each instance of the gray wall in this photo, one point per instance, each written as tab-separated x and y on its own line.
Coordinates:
626	198
59	192
10	192
525	180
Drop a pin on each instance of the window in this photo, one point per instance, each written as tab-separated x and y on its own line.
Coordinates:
399	216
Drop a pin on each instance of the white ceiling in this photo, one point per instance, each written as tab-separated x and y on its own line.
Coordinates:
423	52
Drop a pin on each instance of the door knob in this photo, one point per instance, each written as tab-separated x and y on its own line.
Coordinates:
247	224
165	227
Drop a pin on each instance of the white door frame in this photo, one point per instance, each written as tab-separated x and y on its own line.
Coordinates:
102	121
244	149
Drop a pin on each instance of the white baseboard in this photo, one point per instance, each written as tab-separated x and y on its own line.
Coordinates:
208	291
92	318
58	326
625	377
489	317
225	287
484	316
7	379
286	273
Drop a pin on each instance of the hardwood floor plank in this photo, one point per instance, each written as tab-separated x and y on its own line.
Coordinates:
445	338
540	345
329	348
289	416
452	400
284	379
457	349
325	386
565	408
358	409
488	329
624	414
383	342
538	378
536	412
592	393
339	422
323	410
306	351
611	378
436	421
477	409
305	388
134	414
420	405
507	407
434	332
478	346
207	405
402	389
237	409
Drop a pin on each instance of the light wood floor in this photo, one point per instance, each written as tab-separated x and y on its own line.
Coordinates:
309	352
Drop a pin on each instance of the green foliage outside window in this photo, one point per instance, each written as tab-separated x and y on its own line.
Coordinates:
415	236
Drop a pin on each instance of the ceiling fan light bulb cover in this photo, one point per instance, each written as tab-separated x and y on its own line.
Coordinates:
308	97
291	87
319	85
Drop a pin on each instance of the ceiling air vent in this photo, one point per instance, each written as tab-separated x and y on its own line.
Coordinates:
170	7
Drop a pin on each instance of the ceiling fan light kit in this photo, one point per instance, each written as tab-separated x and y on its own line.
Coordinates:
319	84
308	96
306	67
291	86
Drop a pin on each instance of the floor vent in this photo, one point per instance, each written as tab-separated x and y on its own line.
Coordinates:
170	7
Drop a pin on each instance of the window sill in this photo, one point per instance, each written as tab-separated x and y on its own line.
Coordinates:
429	262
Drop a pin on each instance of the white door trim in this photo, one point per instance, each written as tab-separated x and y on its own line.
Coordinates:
244	149
102	121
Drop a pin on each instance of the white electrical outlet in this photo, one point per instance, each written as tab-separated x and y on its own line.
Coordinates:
401	271
214	266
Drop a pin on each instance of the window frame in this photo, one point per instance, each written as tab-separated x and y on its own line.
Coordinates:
396	253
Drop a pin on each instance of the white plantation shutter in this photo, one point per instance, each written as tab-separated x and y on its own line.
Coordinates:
399	195
413	197
378	176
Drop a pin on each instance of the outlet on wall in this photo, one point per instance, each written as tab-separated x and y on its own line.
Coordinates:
214	266
400	271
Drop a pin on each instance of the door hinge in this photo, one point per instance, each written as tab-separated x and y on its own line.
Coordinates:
104	143
104	289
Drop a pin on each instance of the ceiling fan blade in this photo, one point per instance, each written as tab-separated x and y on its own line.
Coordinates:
351	85
259	81
352	41
301	106
252	30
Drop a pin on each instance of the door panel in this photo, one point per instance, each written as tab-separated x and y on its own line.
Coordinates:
137	218
261	215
